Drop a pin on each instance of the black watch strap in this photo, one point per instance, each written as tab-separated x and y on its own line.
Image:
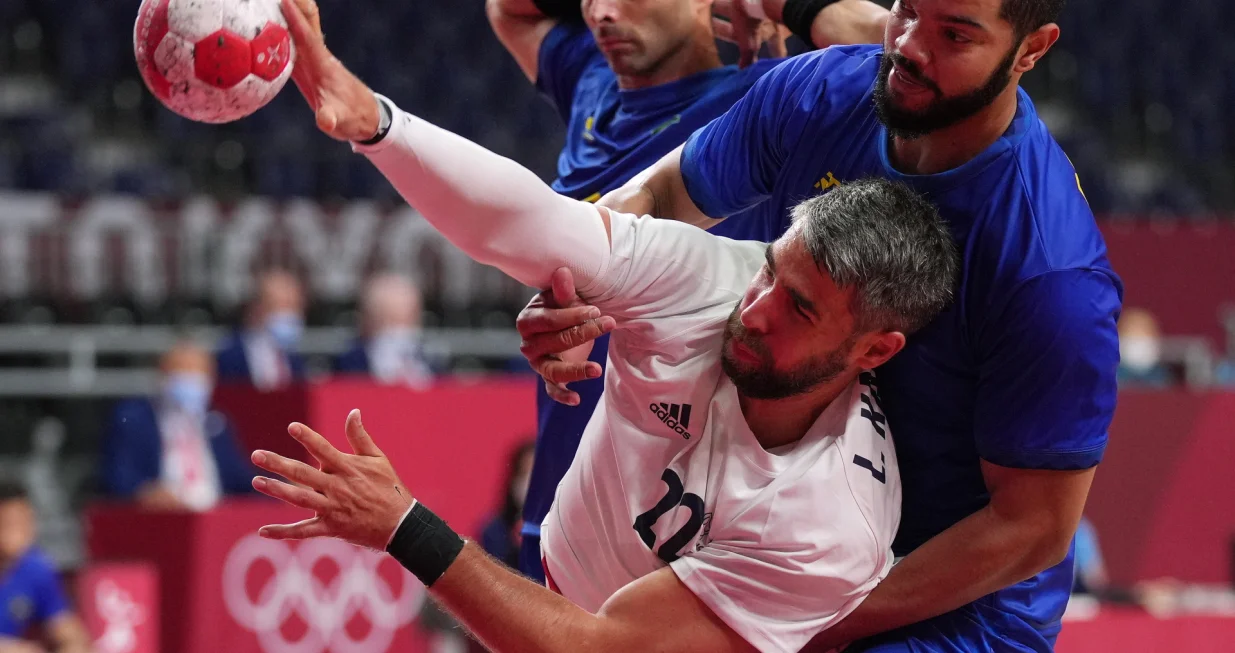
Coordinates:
385	116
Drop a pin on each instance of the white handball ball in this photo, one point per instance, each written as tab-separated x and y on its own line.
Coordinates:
213	60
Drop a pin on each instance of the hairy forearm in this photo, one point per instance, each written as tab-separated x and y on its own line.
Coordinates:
495	210
978	555
509	613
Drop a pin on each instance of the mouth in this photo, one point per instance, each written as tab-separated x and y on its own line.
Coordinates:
743	353
906	83
612	44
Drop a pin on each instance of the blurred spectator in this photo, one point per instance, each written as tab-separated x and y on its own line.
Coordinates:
264	351
1140	351
389	347
501	536
171	451
1091	575
34	612
1224	374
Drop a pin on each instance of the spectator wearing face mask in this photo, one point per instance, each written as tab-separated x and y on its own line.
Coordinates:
263	353
1140	351
171	451
389	349
34	612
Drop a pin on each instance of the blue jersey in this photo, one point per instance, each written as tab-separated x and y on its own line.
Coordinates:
612	135
30	595
1020	371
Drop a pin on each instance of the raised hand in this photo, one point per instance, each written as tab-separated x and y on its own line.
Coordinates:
344	106
558	329
357	497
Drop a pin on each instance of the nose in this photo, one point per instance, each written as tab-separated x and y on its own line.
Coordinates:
600	11
755	315
910	45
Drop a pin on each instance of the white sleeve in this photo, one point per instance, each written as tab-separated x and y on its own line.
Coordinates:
501	214
665	277
492	208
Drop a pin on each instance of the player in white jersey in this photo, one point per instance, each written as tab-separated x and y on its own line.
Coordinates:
736	489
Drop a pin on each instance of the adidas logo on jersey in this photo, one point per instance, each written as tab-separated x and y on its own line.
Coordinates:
675	416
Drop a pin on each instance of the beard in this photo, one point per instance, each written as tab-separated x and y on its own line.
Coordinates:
762	380
942	111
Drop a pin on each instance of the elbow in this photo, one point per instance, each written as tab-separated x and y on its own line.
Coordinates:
1056	550
1049	548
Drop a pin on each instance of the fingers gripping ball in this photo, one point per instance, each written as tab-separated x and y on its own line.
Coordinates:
213	60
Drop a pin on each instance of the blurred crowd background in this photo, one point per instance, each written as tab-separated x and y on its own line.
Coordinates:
146	259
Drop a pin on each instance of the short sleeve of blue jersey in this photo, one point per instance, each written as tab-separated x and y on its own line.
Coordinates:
1047	373
565	53
732	163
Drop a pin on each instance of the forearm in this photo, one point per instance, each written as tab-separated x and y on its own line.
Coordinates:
493	209
658	191
509	613
845	22
978	555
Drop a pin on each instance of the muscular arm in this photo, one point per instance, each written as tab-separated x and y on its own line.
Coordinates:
661	192
840	23
521	27
510	614
1026	528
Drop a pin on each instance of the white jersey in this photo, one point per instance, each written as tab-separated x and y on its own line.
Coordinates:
779	544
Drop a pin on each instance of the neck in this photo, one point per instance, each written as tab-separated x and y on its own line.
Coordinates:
695	56
778	422
954	146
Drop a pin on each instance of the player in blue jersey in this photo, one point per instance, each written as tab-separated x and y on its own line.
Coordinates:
632	80
1001	406
33	608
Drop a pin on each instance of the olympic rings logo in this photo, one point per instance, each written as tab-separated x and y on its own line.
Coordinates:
325	608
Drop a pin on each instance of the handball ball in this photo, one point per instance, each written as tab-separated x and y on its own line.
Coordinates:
213	60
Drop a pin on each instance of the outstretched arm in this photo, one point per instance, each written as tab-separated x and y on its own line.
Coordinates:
490	207
360	499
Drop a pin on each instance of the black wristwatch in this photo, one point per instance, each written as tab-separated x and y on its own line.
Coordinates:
385	116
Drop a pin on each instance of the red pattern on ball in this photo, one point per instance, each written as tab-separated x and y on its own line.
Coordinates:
149	32
272	49
222	59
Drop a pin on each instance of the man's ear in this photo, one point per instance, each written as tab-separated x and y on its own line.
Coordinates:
876	348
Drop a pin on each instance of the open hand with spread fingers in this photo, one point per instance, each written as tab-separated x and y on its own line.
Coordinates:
355	497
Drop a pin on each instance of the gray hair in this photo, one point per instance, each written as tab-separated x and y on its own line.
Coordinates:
889	244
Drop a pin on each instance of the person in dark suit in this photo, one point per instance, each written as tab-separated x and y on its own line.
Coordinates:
388	349
171	451
263	352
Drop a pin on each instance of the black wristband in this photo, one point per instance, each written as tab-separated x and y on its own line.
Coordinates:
566	10
425	545
385	118
799	15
